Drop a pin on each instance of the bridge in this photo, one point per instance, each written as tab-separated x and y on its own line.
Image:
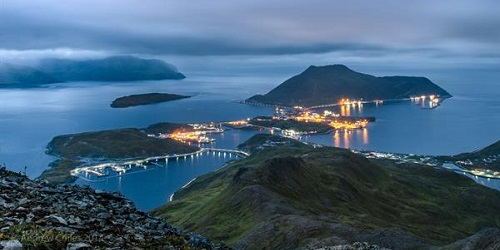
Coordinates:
123	167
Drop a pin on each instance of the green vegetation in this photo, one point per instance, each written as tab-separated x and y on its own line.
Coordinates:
261	141
35	237
329	84
144	99
77	149
288	196
291	124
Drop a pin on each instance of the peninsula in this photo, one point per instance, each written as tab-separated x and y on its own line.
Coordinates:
18	76
110	69
144	99
330	84
75	150
484	162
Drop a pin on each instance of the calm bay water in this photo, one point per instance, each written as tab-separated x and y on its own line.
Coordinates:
29	118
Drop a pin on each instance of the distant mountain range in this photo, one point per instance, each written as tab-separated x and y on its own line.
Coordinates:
328	84
16	75
290	195
116	68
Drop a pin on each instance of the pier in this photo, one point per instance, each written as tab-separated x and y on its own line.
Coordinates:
125	166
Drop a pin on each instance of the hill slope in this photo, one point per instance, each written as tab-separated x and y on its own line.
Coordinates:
329	84
486	158
22	76
116	68
292	196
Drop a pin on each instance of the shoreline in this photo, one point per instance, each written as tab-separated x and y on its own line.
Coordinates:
331	104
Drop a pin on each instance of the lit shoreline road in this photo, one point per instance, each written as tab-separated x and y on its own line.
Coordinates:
123	167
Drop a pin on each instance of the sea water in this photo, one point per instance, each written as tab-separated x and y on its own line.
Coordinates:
30	118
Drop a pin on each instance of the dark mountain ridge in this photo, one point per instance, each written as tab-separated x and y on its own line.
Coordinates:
115	68
328	84
22	76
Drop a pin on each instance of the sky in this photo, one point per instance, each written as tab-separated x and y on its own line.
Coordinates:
200	35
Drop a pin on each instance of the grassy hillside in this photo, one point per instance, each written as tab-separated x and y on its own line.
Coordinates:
329	84
293	195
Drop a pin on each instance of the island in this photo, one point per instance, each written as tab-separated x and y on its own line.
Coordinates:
297	121
292	195
112	69
337	84
19	76
144	99
76	150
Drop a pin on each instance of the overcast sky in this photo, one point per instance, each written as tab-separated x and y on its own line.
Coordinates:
443	31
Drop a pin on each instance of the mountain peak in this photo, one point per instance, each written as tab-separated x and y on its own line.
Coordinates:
336	67
323	85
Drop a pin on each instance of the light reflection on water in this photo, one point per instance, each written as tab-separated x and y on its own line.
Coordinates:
29	118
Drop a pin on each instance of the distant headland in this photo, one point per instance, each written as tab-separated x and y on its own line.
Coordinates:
330	84
115	68
144	99
22	76
110	69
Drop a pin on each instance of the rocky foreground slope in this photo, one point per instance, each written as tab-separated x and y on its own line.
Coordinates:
36	215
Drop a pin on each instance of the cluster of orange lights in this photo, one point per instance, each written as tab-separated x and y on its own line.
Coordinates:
238	123
350	102
348	125
189	136
331	119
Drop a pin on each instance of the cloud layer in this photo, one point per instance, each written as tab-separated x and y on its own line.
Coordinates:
80	28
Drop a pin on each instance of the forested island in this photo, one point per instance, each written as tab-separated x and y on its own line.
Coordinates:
144	99
325	85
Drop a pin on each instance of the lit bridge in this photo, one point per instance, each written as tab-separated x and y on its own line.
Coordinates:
123	167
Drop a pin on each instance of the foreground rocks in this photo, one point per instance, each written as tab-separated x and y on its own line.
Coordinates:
36	215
